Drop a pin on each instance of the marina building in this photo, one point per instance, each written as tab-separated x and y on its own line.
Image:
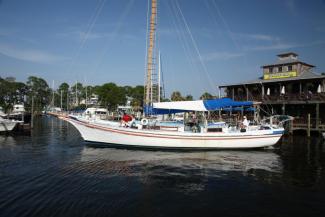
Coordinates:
289	86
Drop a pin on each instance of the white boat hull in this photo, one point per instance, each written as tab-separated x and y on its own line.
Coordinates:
7	126
119	136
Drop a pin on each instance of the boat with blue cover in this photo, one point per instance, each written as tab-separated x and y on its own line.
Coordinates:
150	133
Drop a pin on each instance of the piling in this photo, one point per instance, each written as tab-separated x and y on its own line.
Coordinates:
291	127
317	116
32	115
308	126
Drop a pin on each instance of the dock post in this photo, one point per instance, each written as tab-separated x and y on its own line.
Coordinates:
317	116
308	126
291	127
32	115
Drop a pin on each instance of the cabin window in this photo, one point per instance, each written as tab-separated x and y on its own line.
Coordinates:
289	68
280	69
100	113
270	69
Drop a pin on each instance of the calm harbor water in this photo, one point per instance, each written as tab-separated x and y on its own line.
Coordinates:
53	173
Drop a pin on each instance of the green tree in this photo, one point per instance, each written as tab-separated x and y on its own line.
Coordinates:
137	94
128	90
206	96
176	96
77	92
40	91
64	89
110	95
11	93
188	98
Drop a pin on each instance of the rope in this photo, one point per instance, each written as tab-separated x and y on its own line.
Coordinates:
90	26
196	47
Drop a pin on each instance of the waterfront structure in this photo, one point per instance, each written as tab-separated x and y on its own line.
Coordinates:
289	86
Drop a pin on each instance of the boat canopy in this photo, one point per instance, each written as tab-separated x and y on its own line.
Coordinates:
197	105
239	109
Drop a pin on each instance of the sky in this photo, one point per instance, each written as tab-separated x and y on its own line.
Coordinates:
203	43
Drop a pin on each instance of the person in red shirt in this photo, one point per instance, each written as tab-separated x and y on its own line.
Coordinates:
125	119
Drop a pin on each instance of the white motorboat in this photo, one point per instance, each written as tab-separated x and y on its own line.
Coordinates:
7	125
19	113
2	114
96	115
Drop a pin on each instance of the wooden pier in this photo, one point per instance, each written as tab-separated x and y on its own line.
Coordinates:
309	125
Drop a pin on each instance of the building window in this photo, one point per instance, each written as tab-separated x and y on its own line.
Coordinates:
271	70
289	68
280	69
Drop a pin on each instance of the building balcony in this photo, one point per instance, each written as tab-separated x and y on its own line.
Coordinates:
287	98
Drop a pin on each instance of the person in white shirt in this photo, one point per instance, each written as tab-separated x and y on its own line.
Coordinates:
245	122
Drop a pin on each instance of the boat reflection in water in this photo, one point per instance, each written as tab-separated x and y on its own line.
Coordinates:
187	171
7	141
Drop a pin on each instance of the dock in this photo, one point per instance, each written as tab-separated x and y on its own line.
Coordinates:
309	125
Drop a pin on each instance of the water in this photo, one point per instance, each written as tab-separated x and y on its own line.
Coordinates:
53	173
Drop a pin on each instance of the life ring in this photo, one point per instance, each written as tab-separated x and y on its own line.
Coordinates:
144	121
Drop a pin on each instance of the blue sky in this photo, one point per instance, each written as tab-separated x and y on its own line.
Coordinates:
204	43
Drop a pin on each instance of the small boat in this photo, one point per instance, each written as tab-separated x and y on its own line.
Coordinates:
7	125
19	113
2	114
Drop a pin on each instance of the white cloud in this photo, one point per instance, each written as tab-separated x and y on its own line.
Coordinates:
263	37
280	46
30	55
220	56
283	46
84	36
256	37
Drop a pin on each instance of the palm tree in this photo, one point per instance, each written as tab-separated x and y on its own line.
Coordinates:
188	97
206	95
176	96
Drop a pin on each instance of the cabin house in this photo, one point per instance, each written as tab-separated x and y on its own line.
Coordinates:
289	86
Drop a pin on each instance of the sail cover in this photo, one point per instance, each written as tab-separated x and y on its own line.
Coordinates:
181	105
197	105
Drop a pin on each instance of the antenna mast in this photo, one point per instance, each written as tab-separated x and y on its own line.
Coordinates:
159	78
52	93
151	86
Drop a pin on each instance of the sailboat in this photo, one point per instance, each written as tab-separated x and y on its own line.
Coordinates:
150	133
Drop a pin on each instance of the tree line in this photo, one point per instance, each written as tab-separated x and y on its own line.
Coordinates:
110	95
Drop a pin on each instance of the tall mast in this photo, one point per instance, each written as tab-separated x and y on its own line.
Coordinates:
76	93
86	92
150	85
53	93
61	100
159	77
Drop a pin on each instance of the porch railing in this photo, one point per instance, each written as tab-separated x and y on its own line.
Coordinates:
284	97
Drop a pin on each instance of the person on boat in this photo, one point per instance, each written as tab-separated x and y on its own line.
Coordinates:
245	122
126	119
